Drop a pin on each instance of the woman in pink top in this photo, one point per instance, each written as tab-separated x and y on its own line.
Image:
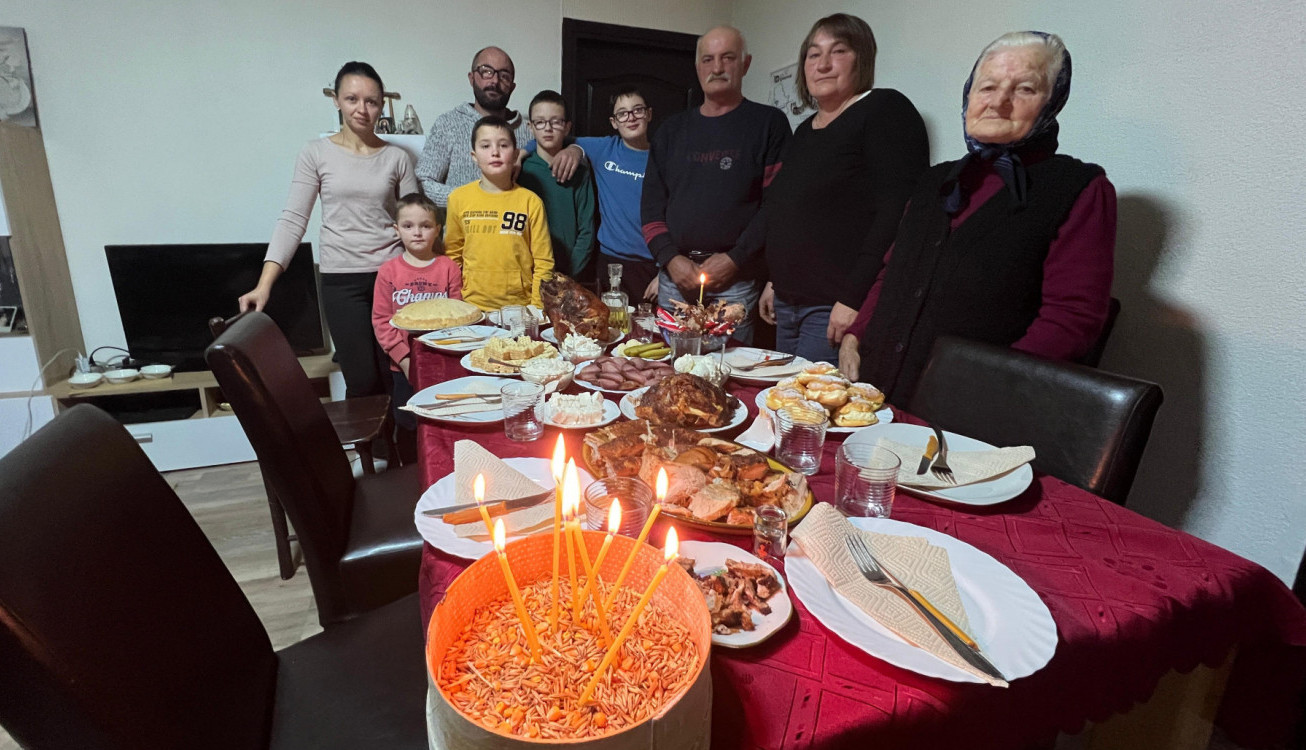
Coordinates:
358	177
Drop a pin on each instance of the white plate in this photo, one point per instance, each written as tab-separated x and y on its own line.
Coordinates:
885	414
466	362
613	337
595	387
989	492
739	416
469	384
1009	621
610	413
710	557
492	317
472	331
746	355
616	352
441	495
421	330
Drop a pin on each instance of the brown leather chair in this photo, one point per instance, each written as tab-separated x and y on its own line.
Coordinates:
1087	427
361	545
357	422
120	627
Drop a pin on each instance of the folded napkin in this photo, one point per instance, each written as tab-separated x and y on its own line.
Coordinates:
760	435
917	563
968	467
502	482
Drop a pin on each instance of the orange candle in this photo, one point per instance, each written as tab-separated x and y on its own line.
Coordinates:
559	465
517	602
570	501
478	492
670	550
661	490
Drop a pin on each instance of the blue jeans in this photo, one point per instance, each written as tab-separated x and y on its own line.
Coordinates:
800	329
745	292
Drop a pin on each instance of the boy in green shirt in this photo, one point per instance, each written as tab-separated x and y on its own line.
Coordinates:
569	206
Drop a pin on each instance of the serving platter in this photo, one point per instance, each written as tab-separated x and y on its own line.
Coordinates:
742	356
709	558
458	332
466	362
737	417
478	319
614	336
611	413
884	414
471	384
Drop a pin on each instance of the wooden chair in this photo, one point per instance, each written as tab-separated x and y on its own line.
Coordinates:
358	422
360	544
120	627
1087	427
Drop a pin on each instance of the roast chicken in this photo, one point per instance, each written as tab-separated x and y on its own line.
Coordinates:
571	308
686	400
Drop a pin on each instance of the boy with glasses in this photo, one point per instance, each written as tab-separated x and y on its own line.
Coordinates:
569	205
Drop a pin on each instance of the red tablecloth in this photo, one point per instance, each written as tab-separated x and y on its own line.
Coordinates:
1132	600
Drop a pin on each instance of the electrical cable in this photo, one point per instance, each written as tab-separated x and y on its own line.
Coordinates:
31	392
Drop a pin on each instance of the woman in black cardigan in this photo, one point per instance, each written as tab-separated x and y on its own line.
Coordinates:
832	209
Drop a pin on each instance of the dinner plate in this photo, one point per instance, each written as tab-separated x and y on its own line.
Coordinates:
610	413
616	352
594	386
1009	621
492	317
422	330
469	384
710	557
466	362
885	414
613	337
747	355
442	536
989	492
472	331
738	417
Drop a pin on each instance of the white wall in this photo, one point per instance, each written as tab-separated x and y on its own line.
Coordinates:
1196	110
180	122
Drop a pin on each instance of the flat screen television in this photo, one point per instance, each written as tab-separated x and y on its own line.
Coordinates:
167	294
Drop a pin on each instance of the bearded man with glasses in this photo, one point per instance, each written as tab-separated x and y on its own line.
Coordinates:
446	162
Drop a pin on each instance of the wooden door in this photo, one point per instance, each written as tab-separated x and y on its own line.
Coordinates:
600	58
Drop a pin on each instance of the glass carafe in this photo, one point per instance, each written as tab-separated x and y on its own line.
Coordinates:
616	300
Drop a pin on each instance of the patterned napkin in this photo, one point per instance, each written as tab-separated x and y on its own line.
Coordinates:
760	435
968	467
917	563
502	482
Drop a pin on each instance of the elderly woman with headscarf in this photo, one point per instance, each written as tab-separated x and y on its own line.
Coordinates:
1011	245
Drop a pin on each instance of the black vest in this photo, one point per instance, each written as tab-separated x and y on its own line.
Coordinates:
982	282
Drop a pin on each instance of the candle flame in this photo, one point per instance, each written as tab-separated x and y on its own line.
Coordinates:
702	278
478	489
559	460
614	517
673	544
662	485
499	535
571	490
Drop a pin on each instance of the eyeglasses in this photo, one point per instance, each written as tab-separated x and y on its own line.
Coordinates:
486	72
554	124
625	115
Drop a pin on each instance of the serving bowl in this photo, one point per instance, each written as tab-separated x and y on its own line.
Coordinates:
125	375
85	379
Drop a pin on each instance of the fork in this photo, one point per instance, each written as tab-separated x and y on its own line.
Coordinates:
940	468
955	637
773	362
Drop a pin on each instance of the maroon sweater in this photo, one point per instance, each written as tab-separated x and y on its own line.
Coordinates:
1076	275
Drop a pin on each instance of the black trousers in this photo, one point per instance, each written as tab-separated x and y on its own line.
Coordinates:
347	299
636	275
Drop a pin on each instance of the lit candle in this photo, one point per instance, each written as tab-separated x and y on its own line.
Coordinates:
661	488
670	550
702	280
517	602
590	572
614	523
478	492
559	465
571	500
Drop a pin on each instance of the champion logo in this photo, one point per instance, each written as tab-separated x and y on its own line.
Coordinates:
612	166
727	162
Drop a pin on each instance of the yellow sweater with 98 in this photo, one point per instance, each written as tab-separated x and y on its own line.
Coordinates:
501	240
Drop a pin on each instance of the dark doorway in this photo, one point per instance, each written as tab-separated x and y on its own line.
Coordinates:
599	58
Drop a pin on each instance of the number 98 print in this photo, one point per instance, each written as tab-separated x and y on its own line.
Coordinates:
513	223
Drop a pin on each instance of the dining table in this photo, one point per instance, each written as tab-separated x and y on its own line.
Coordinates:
1132	600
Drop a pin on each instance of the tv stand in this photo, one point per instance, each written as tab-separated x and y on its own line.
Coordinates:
209	434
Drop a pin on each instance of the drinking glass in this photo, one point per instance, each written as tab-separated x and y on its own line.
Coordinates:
635	497
770	531
521	406
513	319
684	342
645	326
865	480
800	436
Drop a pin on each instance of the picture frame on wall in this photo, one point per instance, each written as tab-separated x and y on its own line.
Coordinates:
17	95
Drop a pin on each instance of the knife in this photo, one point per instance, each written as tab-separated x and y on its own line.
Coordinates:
467	512
931	447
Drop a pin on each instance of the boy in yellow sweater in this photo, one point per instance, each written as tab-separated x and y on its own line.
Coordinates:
496	229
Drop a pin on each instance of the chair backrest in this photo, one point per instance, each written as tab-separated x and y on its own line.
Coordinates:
218	324
1093	356
295	443
120	627
1087	427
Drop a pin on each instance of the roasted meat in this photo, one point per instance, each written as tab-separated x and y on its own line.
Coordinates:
572	308
734	594
686	400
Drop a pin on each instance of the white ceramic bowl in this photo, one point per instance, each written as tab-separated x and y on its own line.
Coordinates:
121	376
85	379
156	372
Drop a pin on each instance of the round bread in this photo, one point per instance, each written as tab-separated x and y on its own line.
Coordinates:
434	314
